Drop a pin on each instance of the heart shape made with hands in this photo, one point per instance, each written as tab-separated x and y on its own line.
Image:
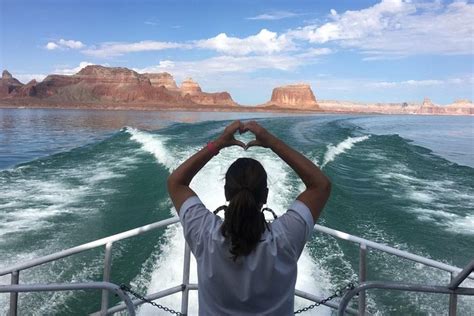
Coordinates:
244	137
244	141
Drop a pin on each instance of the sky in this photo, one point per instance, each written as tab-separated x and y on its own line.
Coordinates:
369	51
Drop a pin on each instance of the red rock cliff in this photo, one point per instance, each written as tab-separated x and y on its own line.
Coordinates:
462	107
297	96
429	107
8	85
189	86
192	91
163	79
113	86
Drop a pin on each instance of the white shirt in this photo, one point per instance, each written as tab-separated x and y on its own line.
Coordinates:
261	283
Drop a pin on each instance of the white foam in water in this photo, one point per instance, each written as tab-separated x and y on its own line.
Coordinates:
463	224
36	200
452	222
421	196
440	199
27	204
334	151
209	184
153	145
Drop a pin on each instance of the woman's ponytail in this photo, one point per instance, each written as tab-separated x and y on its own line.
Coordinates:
246	189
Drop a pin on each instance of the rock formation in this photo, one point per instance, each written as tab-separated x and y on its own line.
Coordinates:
462	107
163	79
191	90
297	96
28	90
8	85
359	107
428	107
189	86
111	85
6	75
101	87
212	99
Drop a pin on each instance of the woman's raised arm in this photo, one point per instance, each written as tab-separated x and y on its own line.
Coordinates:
318	186
179	180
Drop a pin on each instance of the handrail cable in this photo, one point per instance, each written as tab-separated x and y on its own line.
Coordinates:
457	274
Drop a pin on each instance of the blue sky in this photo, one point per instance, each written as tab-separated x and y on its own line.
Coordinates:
374	51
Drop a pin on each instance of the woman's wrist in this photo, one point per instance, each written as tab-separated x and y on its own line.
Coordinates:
218	143
271	140
213	148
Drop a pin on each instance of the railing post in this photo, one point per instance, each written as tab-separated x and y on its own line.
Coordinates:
458	279
362	276
453	300
107	266
186	269
15	278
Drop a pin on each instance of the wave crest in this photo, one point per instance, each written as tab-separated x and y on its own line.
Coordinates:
334	151
153	144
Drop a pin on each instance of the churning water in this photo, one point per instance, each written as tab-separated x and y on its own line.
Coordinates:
68	178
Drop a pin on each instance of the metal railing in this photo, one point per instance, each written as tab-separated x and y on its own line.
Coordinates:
104	286
365	244
452	288
457	275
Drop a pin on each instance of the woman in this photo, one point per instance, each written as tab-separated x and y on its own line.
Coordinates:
246	266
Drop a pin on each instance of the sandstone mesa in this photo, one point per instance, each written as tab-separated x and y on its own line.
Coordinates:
297	96
99	87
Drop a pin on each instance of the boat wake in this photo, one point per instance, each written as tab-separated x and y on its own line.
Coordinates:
333	151
208	184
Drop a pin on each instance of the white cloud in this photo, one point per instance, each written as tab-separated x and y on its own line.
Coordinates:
239	63
64	44
265	42
71	44
117	49
25	78
152	23
274	16
166	64
51	46
419	83
357	24
225	64
397	27
430	82
72	71
315	52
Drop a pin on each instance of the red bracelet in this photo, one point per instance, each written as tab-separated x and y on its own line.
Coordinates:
212	148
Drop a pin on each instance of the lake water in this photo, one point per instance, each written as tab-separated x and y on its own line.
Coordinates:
69	177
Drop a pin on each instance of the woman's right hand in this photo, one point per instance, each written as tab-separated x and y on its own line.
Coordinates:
263	138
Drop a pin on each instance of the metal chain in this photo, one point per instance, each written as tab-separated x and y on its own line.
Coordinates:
337	293
125	288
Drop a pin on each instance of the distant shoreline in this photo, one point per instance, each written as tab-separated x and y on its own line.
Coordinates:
118	88
249	109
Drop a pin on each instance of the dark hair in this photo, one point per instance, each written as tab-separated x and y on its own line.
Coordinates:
246	190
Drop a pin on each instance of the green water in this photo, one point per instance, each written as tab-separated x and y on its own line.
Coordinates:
386	188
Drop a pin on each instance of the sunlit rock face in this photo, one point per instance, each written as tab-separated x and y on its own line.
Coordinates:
189	86
94	85
462	107
191	90
162	79
297	96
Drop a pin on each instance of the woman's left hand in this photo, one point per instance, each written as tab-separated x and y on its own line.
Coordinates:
227	138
